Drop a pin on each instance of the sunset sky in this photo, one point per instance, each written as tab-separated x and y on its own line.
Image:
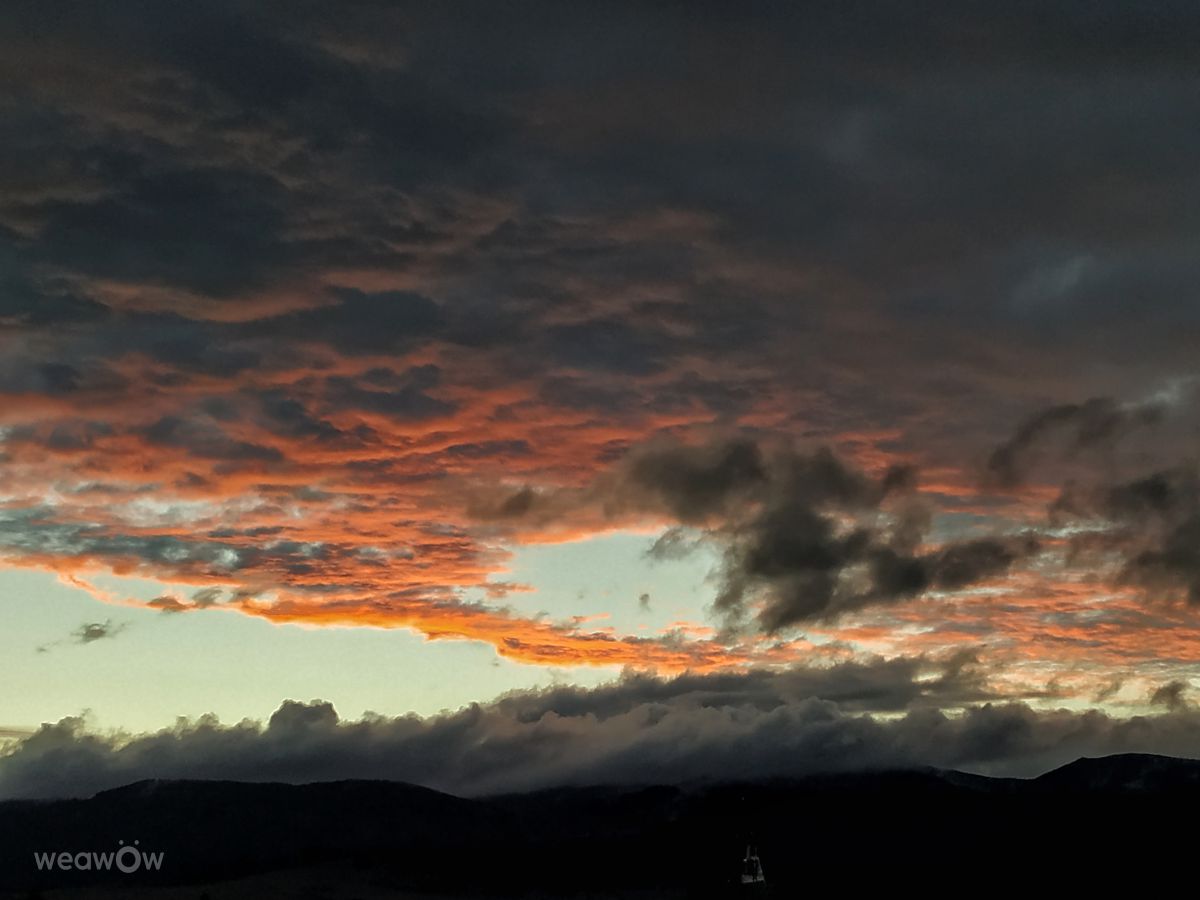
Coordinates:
562	385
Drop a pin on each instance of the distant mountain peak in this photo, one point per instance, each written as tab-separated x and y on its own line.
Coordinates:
1124	771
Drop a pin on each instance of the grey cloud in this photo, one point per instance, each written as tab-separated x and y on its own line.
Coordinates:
1109	691
1172	695
207	441
1151	523
201	599
96	631
1167	493
513	190
30	300
1172	564
793	550
206	597
753	196
607	345
290	416
202	229
964	563
398	395
168	604
89	633
881	686
490	449
640	730
1077	426
785	542
806	571
459	116
37	533
673	544
694	483
588	393
778	514
359	321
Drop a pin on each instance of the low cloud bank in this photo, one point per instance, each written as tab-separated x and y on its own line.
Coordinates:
897	713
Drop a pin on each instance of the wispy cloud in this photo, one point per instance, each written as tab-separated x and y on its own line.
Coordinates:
88	633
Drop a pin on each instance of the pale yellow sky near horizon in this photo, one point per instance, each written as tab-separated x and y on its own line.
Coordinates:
160	666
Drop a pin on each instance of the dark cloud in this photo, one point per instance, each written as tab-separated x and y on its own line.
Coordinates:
280	255
694	483
795	553
806	571
513	506
231	149
608	346
803	532
588	394
640	730
1151	523
1172	695
885	686
36	534
402	177
964	563
207	441
790	545
209	230
1074	426
97	631
397	395
490	449
89	633
31	299
1167	493
359	322
201	599
169	604
1172	565
287	415
673	544
206	597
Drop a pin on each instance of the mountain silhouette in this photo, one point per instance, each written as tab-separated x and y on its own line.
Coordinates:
1125	772
1104	822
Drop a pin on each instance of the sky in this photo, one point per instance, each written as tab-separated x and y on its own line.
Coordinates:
502	395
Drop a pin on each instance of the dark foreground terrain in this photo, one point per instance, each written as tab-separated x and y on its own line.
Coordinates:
1120	823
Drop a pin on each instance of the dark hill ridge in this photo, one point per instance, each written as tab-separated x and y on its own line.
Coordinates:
1125	772
668	840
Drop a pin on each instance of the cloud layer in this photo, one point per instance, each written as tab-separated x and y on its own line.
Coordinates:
317	318
640	730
